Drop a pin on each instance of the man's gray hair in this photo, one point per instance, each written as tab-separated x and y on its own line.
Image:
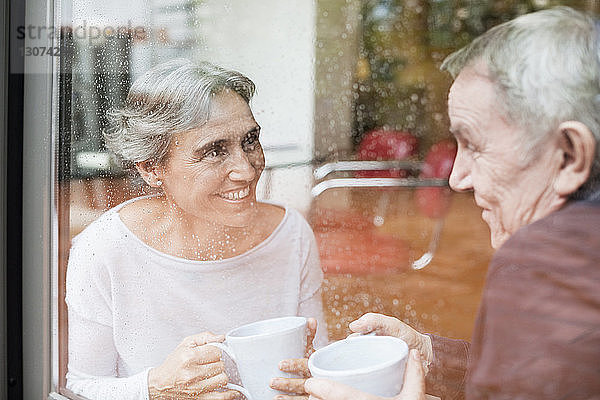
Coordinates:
170	98
546	70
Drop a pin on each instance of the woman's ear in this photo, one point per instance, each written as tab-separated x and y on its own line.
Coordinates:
150	172
578	146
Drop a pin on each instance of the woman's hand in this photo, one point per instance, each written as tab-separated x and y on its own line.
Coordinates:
191	371
383	325
297	366
413	388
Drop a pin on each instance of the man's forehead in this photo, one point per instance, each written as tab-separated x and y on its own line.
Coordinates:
472	77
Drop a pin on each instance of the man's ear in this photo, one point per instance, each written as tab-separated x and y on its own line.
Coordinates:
578	146
150	172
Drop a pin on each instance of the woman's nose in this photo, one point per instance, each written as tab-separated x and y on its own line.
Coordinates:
241	167
460	177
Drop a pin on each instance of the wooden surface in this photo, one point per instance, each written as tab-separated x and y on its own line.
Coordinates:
443	297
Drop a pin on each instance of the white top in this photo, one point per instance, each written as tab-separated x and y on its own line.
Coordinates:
131	305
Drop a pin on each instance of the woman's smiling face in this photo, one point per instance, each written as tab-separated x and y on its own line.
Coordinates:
210	173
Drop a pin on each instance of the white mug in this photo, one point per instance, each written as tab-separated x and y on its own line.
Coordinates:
257	349
372	364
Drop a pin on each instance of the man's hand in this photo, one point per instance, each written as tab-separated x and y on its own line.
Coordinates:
413	388
383	325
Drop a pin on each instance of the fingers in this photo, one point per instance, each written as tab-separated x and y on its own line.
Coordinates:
311	332
298	366
206	371
226	395
288	385
202	355
383	325
193	394
324	389
290	397
372	322
202	338
212	383
311	325
414	379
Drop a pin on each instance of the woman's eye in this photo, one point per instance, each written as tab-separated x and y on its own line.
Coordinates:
215	152
250	141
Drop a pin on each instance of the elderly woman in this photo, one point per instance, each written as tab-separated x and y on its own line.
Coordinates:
525	110
151	277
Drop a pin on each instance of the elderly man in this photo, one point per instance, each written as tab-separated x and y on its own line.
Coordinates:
525	111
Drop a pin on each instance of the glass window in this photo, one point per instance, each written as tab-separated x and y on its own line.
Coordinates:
351	106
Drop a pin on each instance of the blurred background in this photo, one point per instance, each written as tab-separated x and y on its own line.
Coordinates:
337	80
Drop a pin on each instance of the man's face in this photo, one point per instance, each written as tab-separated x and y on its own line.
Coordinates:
512	190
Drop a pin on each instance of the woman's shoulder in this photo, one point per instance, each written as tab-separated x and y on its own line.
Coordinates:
102	227
291	222
104	231
272	213
140	211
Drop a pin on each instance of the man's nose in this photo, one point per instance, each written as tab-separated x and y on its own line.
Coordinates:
460	177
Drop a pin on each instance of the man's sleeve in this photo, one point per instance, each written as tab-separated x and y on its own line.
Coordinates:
448	370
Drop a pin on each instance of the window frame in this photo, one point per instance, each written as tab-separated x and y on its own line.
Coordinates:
39	206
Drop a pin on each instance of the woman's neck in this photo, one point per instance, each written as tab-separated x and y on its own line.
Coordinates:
169	230
199	238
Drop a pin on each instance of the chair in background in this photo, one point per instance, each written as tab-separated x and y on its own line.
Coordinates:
386	145
348	236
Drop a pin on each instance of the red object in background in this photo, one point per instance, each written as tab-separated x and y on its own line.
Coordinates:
360	252
435	201
327	219
381	145
350	244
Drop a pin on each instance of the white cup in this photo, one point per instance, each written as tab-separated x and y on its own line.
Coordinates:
372	364
257	349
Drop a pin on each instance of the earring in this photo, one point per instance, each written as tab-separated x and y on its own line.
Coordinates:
159	183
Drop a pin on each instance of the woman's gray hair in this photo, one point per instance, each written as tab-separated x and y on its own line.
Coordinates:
170	98
546	70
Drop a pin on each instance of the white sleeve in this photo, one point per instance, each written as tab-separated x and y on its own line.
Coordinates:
109	388
92	369
311	304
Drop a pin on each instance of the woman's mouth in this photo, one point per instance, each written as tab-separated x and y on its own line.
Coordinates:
236	195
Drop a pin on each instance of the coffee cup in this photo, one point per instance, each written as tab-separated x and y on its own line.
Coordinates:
372	364
257	348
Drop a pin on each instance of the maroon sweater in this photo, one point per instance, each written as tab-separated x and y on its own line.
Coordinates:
537	334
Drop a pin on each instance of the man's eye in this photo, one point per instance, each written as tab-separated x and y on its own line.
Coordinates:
473	148
469	146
